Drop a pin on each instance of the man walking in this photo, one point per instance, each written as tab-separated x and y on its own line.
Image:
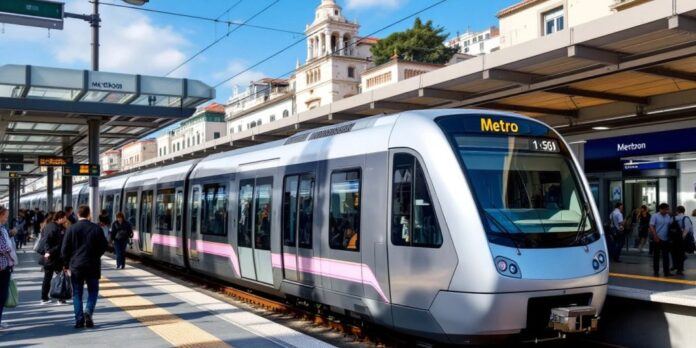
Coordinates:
616	221
659	231
83	245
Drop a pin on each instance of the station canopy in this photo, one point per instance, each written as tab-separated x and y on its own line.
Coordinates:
44	110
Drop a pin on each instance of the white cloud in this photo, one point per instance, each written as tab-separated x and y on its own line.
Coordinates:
356	4
130	42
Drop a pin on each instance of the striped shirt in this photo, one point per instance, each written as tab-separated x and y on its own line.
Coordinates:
5	249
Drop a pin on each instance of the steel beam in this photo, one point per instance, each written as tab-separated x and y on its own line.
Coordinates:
682	23
47	133
675	74
532	109
594	54
141	124
518	77
397	106
264	138
599	95
344	117
441	94
43	118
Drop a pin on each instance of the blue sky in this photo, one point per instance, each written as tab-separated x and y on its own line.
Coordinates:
150	43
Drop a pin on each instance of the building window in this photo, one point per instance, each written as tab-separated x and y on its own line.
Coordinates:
198	138
553	21
344	210
216	135
351	72
286	113
481	47
408	73
239	128
272	118
258	123
414	222
379	79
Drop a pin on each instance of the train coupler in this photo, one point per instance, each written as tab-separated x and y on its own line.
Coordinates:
574	319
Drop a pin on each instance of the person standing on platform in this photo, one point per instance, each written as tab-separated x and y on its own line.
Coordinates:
643	226
121	232
83	246
70	214
38	221
616	225
8	259
54	233
678	245
659	231
20	230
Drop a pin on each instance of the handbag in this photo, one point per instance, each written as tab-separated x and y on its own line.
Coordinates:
61	287
13	295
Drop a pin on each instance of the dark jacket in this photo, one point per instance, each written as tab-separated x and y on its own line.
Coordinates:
83	245
121	231
54	234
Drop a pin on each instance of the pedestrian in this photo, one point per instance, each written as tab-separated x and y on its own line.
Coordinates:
54	233
643	222
121	232
20	230
83	246
686	226
39	217
616	227
70	215
659	231
104	223
8	259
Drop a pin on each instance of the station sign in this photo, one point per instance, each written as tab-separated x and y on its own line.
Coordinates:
81	169
14	167
11	158
33	13
53	161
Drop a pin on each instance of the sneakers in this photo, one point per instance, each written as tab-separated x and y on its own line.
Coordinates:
4	326
88	320
45	302
79	325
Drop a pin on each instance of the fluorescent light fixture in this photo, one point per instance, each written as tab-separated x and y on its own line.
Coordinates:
600	128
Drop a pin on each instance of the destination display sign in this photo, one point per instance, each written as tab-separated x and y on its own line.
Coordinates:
15	167
11	158
493	124
33	13
53	161
81	169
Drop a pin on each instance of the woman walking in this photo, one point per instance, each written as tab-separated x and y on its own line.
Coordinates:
121	232
8	259
52	262
643	221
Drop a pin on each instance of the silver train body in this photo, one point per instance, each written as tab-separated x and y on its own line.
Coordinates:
430	259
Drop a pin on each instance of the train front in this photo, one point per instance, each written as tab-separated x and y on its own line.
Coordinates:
532	256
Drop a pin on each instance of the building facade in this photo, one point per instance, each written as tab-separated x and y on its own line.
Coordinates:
134	153
531	19
392	72
262	102
206	124
110	161
477	43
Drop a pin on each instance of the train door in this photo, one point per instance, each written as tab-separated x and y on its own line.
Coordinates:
131	212
178	217
298	206
254	228
117	205
195	226
146	204
415	247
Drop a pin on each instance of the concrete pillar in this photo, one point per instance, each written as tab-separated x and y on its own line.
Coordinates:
327	39
93	154
310	49
341	46
66	182
14	201
49	188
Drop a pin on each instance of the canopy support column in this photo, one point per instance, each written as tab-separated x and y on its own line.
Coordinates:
49	189
66	182
93	154
14	200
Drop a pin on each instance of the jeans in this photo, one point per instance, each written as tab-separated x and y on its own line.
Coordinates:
4	288
20	240
78	285
661	247
46	285
678	255
120	249
617	243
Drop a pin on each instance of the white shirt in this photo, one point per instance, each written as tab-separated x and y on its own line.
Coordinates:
616	219
686	224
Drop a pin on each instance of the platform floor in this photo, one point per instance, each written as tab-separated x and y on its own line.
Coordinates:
139	309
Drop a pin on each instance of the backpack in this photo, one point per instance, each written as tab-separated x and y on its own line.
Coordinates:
674	231
689	242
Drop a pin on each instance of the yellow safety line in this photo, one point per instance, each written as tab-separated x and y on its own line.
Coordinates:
176	331
656	279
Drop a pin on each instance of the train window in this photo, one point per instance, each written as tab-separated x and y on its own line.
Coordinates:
414	222
146	212
262	202
344	210
132	208
109	206
195	209
164	210
297	210
246	193
214	212
179	202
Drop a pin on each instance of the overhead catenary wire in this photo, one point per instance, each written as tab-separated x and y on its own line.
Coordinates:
401	20
210	19
216	41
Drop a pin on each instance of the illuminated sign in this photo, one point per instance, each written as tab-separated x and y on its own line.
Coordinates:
81	169
12	167
14	175
499	126
53	161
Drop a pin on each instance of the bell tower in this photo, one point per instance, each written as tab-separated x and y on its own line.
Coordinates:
330	33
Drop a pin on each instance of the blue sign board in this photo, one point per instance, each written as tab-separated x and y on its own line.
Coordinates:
629	166
605	154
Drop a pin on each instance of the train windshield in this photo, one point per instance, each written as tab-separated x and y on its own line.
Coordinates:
526	186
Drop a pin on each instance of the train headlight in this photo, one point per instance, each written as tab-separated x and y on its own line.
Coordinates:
601	258
595	264
507	267
599	261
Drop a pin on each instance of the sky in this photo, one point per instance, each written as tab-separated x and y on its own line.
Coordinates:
140	42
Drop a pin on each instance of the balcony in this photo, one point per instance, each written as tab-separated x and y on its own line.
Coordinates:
620	5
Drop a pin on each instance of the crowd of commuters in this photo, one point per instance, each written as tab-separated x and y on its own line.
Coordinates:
69	244
669	235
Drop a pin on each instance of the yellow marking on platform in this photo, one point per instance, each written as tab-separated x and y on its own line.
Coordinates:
176	331
655	279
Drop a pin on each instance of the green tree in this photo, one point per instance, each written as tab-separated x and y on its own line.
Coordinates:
422	43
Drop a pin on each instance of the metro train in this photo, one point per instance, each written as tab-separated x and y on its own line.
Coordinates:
455	225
